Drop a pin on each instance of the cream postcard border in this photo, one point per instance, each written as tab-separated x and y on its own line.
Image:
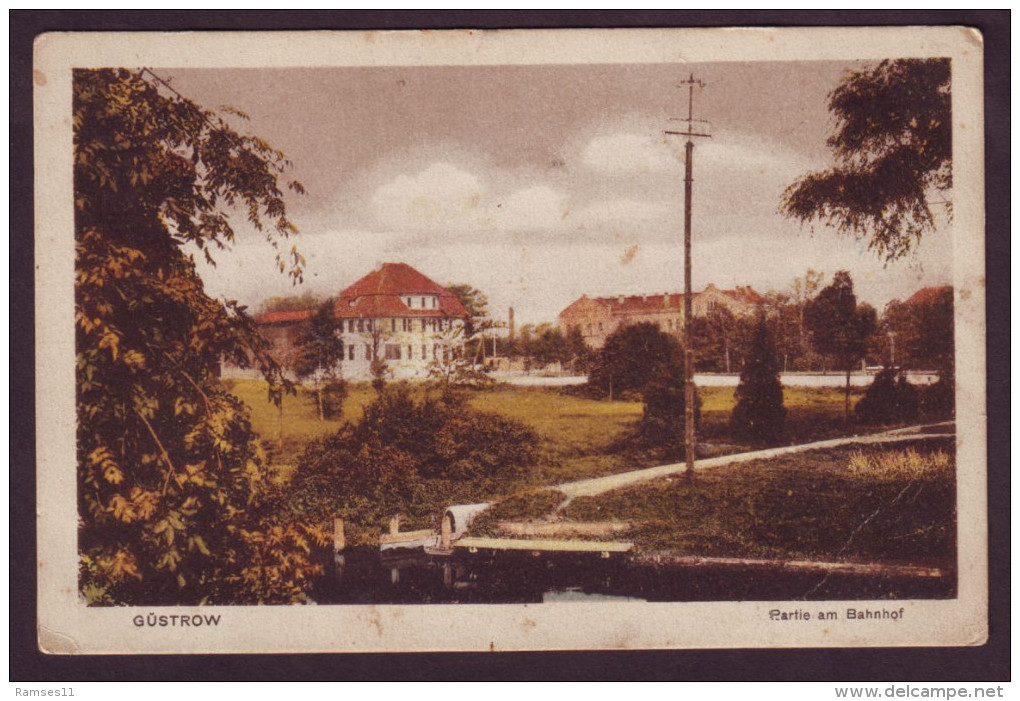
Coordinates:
67	626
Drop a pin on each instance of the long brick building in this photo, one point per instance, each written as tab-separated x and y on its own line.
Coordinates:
598	317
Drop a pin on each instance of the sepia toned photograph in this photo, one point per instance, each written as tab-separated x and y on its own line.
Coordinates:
510	340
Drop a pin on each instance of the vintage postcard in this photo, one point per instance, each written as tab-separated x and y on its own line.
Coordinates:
510	340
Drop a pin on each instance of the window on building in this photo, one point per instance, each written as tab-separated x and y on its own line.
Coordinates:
361	325
350	352
424	322
392	351
424	352
410	353
393	324
368	324
422	302
368	352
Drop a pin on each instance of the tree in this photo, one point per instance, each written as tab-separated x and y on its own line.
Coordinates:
803	290
451	368
783	319
893	149
759	413
321	352
476	303
176	505
840	327
577	353
720	340
631	357
922	331
287	303
663	418
889	399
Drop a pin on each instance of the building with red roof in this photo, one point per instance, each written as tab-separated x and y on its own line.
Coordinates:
394	313
598	317
927	295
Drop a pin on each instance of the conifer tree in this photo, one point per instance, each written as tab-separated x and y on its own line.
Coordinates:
759	413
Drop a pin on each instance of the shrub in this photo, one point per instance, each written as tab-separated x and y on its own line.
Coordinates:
759	413
662	421
410	456
938	402
889	399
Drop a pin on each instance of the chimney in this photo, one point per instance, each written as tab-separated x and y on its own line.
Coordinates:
620	299
665	301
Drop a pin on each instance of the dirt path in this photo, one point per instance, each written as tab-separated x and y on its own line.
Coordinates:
600	485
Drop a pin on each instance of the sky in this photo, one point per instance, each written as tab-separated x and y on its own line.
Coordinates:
537	184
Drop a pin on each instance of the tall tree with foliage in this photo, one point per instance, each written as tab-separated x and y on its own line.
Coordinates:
840	327
577	353
321	353
720	340
893	149
759	413
175	497
802	290
921	330
631	357
477	305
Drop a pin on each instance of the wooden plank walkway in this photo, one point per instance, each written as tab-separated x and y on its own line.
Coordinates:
559	530
402	536
543	545
600	485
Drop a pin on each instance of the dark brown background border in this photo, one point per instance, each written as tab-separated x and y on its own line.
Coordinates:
985	663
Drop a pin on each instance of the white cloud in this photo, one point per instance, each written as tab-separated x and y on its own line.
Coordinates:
623	212
535	208
440	195
733	153
627	153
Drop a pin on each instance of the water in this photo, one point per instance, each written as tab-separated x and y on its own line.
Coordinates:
366	576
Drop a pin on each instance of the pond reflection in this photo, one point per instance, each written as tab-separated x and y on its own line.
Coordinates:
366	576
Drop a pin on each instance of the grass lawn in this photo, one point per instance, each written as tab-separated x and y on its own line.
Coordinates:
581	437
867	503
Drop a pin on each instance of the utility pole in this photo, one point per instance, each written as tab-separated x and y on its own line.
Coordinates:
690	133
